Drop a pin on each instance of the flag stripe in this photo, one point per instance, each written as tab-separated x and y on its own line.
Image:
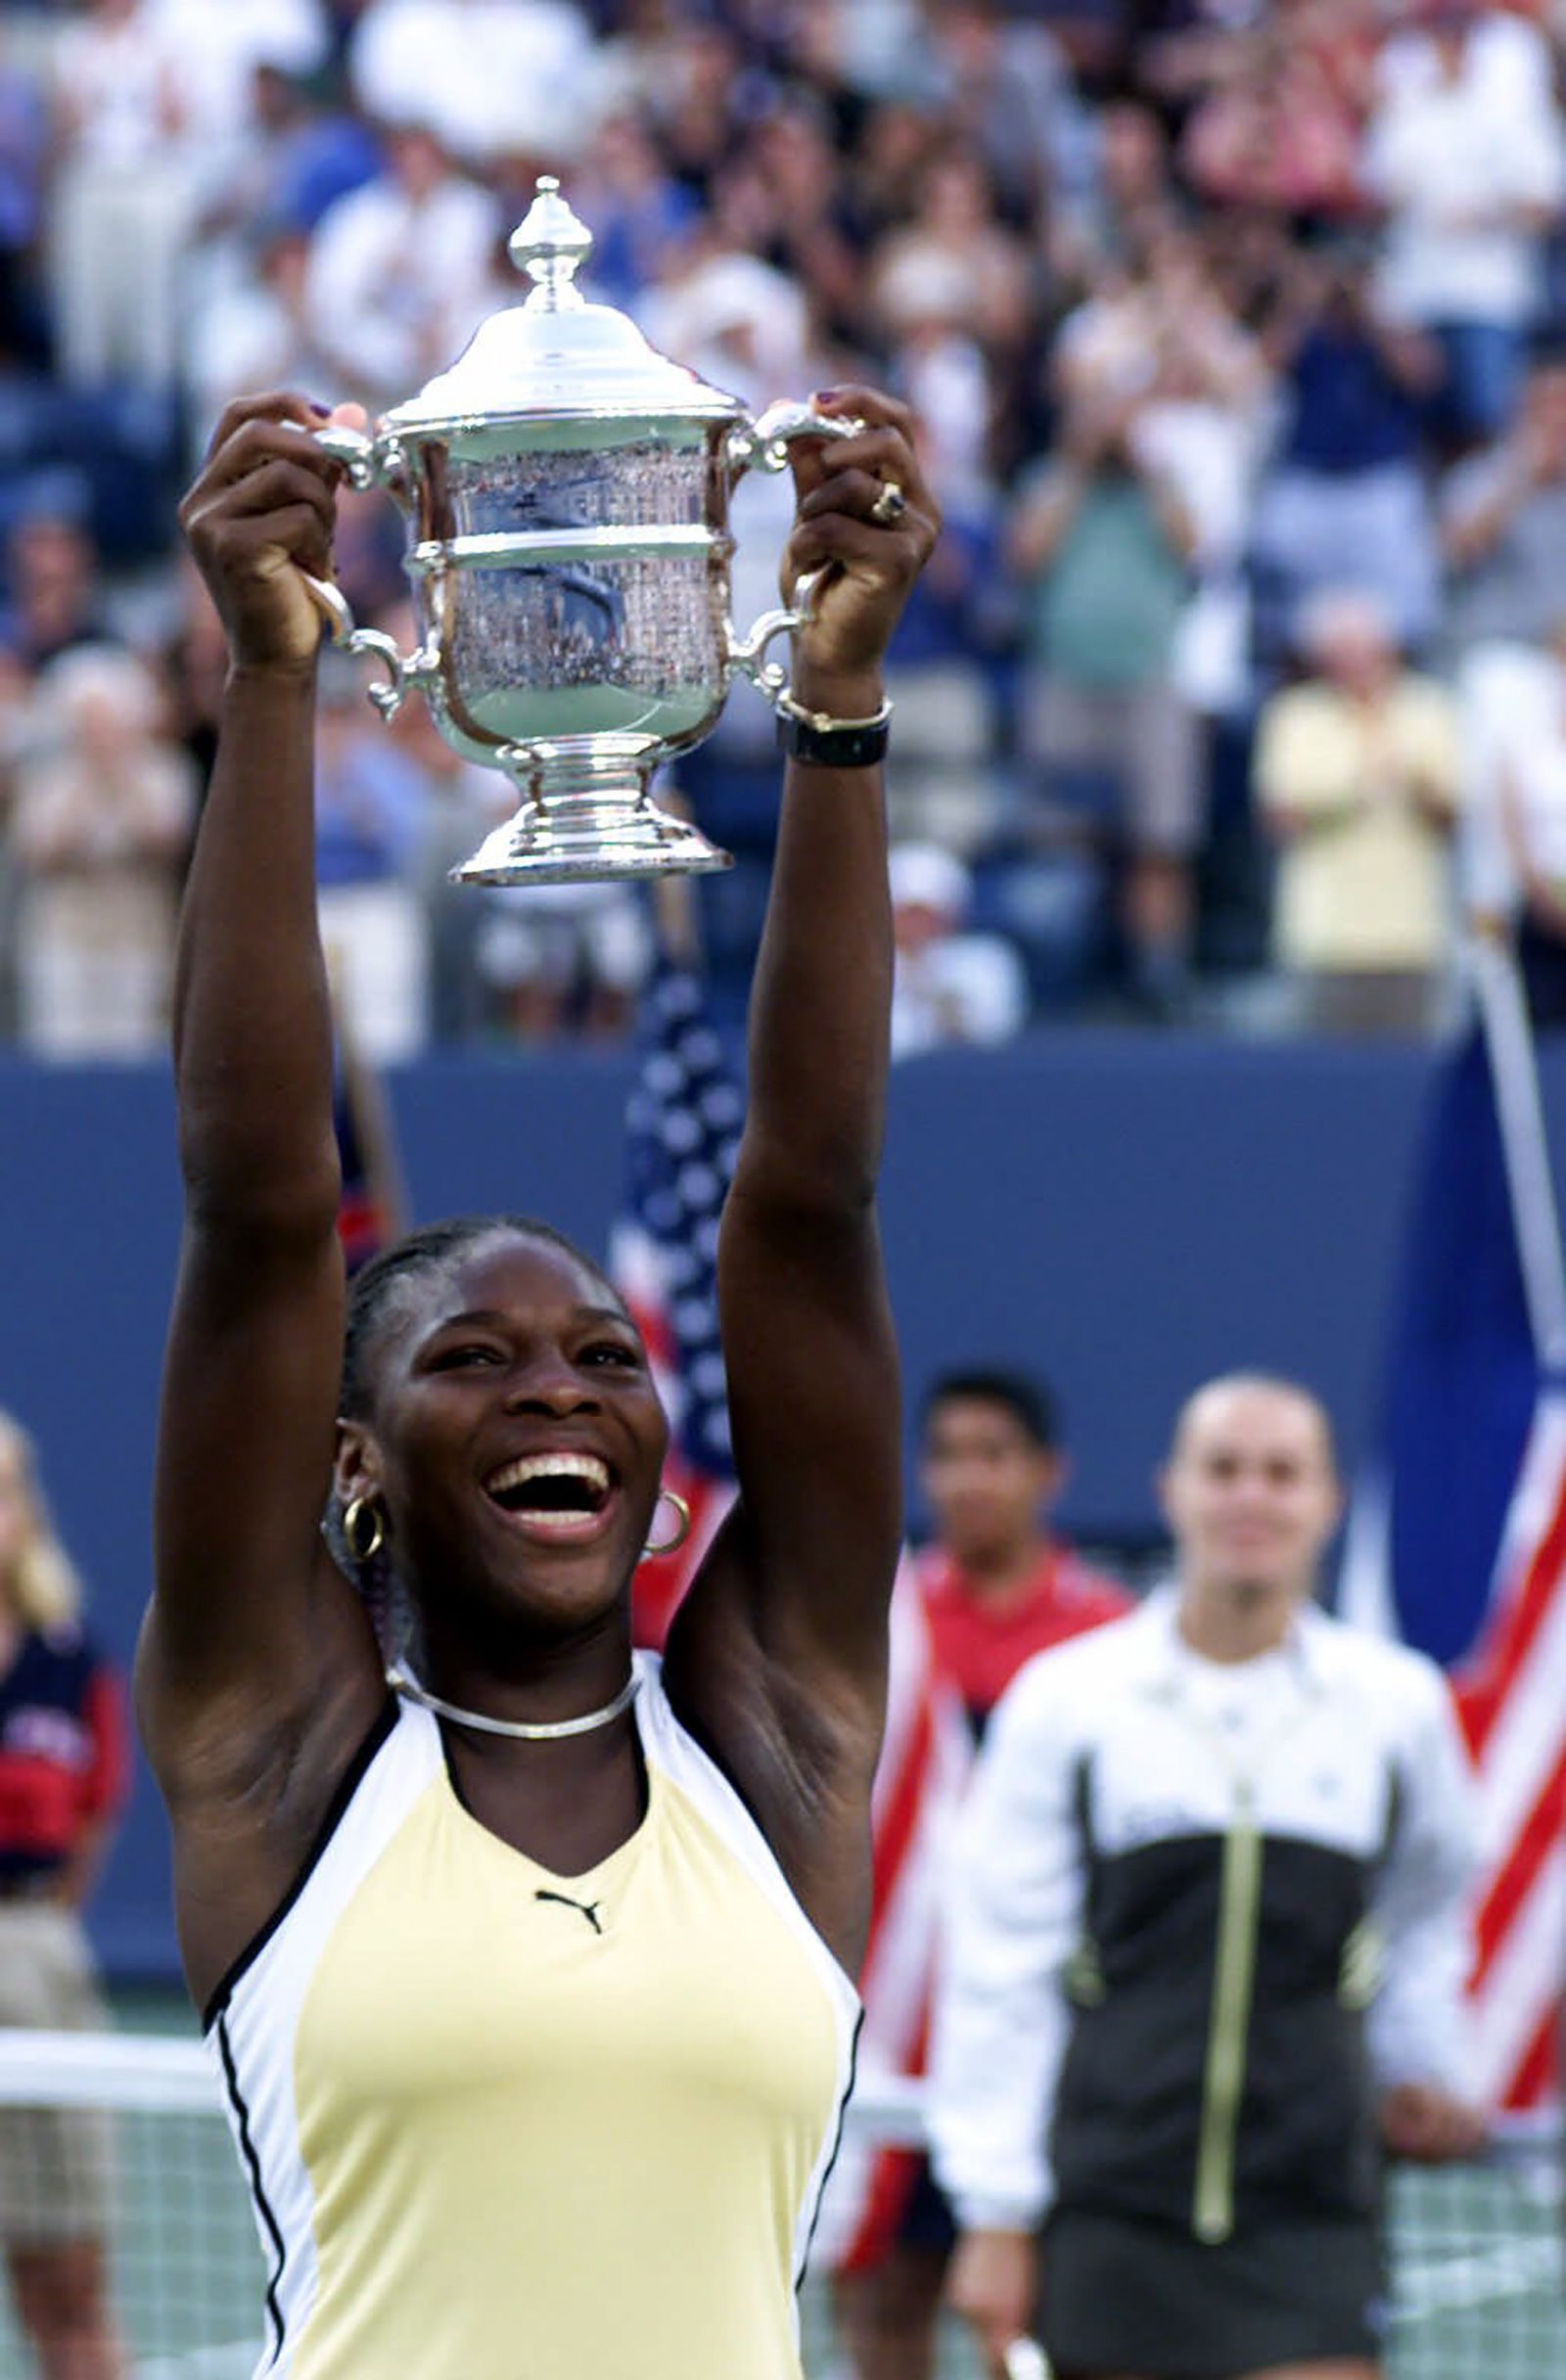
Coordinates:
1538	2073
1512	1882
899	1816
1505	1649
1524	1742
1520	1988
1538	1483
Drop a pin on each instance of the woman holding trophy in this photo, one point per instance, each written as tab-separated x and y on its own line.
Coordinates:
526	1963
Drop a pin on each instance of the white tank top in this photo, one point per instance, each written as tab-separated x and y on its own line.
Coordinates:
503	2125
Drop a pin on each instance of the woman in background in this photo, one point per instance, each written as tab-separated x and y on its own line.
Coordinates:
62	1781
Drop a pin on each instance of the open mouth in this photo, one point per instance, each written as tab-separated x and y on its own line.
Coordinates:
558	1494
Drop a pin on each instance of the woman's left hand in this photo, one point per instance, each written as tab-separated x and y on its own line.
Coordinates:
869	560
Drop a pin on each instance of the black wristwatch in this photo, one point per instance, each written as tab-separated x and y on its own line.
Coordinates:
815	737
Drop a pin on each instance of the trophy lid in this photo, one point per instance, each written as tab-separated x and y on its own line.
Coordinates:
556	354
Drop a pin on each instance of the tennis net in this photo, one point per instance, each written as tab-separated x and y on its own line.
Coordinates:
1479	2289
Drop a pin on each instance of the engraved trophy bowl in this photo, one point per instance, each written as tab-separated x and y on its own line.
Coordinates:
566	492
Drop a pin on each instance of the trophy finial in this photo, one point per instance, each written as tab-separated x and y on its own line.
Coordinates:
549	245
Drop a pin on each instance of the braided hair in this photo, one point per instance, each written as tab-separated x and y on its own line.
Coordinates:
376	1284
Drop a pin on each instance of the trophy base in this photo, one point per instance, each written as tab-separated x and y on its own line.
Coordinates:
588	817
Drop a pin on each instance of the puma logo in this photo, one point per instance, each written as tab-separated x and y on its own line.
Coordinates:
585	1908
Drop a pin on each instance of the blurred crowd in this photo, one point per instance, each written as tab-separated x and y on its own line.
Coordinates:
1237	334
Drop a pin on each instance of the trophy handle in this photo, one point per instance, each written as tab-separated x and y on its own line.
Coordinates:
747	654
405	671
763	444
370	462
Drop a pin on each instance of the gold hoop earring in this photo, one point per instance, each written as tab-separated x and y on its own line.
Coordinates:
353	1515
652	1550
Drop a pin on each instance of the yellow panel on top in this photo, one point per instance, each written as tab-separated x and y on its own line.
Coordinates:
559	2138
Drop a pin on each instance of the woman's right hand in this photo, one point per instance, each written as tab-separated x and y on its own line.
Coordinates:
259	513
992	2283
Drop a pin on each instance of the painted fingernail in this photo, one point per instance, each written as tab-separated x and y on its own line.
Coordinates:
826	396
323	412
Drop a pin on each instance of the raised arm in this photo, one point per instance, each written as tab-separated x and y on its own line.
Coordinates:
253	1642
804	1570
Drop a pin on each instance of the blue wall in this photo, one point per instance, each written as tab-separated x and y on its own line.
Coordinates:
1127	1213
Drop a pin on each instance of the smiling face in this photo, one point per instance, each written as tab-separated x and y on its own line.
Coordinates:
515	1438
1250	1490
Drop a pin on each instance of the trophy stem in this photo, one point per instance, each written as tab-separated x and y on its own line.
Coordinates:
588	816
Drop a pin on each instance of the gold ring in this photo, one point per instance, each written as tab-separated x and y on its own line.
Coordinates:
889	505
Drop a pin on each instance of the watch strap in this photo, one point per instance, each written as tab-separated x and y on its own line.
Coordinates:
815	737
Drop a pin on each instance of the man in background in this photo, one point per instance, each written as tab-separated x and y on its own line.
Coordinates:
1358	771
996	1585
1101	543
950	987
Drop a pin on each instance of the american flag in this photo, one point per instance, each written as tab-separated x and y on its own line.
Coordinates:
683	1124
682	1128
1458	1540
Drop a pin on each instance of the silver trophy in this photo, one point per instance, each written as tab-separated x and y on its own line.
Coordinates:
565	491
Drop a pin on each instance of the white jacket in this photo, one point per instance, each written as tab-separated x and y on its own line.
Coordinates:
1117	1770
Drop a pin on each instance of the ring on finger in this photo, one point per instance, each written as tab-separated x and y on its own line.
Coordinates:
889	505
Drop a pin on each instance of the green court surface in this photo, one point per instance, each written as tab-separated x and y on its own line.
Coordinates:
1479	2288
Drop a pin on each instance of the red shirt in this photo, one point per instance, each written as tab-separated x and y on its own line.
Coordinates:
62	1750
980	1645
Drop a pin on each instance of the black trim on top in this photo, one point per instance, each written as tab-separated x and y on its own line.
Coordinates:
837	2143
348	1784
241	2116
